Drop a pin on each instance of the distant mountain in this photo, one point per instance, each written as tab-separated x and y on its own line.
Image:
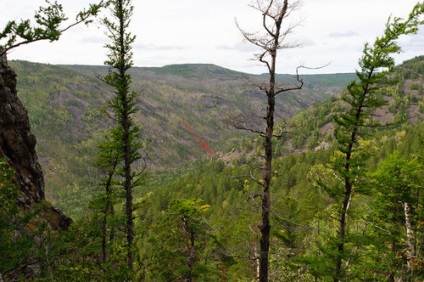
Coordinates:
205	96
66	107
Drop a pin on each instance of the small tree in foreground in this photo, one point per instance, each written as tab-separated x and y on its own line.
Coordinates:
183	248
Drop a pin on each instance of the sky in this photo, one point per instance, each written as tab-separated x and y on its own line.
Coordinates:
169	32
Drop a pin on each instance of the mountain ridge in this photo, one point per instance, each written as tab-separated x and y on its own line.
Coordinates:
66	107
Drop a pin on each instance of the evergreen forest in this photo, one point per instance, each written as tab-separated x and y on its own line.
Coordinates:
163	184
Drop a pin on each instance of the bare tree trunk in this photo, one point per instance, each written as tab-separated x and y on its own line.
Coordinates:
104	237
257	261
273	14
265	228
342	227
409	236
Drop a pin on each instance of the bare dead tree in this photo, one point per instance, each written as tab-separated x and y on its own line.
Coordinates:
276	27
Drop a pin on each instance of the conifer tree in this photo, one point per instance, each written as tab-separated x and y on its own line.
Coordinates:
362	98
394	210
107	160
185	237
126	134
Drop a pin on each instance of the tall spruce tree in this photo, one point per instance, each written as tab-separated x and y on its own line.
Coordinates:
362	99
126	134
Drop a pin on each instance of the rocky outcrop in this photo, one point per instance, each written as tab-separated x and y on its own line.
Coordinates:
17	145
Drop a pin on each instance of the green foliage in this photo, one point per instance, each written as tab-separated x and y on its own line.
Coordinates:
180	237
120	152
22	236
48	26
77	254
9	258
183	246
197	71
396	182
362	99
66	106
304	220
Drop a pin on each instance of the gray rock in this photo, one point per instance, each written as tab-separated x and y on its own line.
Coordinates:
17	145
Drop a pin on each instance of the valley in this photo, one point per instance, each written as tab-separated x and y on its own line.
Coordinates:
66	104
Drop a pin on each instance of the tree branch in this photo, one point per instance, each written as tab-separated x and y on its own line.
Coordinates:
249	129
256	180
48	18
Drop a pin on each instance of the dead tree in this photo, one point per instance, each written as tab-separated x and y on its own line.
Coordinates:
276	28
409	237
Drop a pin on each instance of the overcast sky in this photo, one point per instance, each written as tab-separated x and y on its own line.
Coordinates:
204	31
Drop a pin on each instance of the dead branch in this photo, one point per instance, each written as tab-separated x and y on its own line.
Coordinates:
246	122
253	196
261	133
274	38
260	183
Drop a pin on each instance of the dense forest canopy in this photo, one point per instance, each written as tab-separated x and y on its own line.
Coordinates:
346	178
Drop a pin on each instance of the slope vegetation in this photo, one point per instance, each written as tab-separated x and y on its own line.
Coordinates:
66	107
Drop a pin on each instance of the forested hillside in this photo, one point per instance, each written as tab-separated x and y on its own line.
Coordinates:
194	172
211	204
404	94
66	106
221	197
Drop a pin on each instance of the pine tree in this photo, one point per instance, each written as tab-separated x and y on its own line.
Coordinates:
394	211
185	236
362	98
107	160
126	134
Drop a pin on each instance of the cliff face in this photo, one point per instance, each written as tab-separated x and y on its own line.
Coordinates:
17	145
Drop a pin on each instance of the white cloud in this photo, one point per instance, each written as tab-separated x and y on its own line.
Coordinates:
204	31
238	46
157	48
343	34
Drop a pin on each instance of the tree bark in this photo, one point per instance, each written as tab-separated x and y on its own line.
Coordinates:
273	14
126	139
409	236
265	228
